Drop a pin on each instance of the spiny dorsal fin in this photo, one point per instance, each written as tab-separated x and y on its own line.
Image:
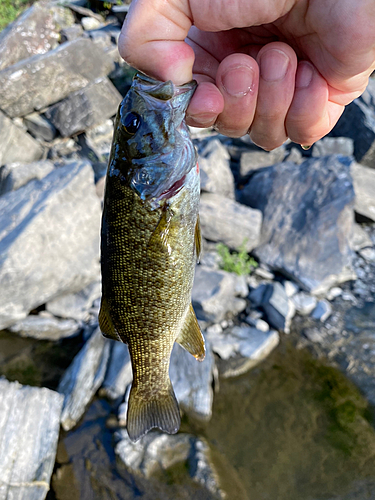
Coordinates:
198	238
105	322
190	337
161	411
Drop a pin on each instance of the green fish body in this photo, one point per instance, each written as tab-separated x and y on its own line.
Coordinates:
149	246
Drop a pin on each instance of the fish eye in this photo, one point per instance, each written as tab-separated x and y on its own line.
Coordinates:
131	123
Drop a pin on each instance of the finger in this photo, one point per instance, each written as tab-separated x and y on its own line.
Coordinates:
278	64
205	106
311	115
237	79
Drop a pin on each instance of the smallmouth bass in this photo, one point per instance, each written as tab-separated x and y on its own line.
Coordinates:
150	243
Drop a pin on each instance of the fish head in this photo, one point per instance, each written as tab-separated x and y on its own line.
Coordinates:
152	151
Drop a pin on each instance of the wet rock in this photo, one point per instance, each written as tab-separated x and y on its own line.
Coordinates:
254	159
214	164
192	381
29	430
49	240
364	187
214	294
45	328
333	146
229	222
75	305
273	300
119	371
307	220
16	144
44	79
83	378
33	32
39	127
85	108
304	303
15	175
322	311
241	348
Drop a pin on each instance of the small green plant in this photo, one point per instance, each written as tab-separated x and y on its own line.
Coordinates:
10	9
236	262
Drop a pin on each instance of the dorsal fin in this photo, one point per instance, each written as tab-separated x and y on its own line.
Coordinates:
190	337
105	322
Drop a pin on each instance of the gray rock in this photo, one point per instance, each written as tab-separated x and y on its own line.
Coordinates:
29	431
75	305
252	160
49	240
16	144
229	222
83	378
44	79
85	108
290	288
273	300
15	175
334	292
214	294
257	323
360	239
304	303
294	155
241	348
307	220
119	371
364	187
322	310
333	146
214	164
33	32
90	23
193	381
203	471
368	254
45	328
83	11
39	127
263	273
71	33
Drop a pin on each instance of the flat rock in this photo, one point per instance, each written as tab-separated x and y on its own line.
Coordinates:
240	348
16	145
307	220
119	371
333	146
85	108
254	159
41	80
40	257
214	164
29	431
83	378
364	187
229	222
192	381
214	294
75	305
45	328
35	31
15	175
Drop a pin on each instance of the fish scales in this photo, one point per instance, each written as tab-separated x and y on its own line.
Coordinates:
150	242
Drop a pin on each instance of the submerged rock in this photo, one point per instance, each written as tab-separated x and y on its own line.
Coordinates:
29	430
49	240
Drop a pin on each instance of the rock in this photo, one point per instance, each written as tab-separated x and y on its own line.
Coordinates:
34	32
273	300
40	258
193	381
44	328
229	222
322	311
368	254
44	79
254	159
364	187
84	12
257	323
119	371
16	144
75	305
71	33
241	348
360	239
214	294
334	292
15	175
264	273
214	164
29	431
85	108
90	23
39	127
83	378
333	146
294	155
290	288
304	303
307	220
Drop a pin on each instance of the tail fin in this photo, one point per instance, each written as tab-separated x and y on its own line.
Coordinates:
160	411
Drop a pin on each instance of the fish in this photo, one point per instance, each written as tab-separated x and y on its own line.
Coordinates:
150	243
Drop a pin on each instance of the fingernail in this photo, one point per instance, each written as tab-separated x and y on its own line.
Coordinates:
306	148
238	81
273	65
204	120
304	74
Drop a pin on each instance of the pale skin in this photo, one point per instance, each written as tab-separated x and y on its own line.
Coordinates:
275	69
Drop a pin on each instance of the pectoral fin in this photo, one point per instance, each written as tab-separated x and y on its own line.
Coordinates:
159	239
105	322
190	337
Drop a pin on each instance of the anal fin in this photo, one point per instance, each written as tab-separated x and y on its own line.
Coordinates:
190	337
105	322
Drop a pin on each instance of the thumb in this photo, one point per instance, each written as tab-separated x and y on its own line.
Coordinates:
152	39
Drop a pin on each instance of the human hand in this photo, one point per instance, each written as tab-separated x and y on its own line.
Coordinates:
264	67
